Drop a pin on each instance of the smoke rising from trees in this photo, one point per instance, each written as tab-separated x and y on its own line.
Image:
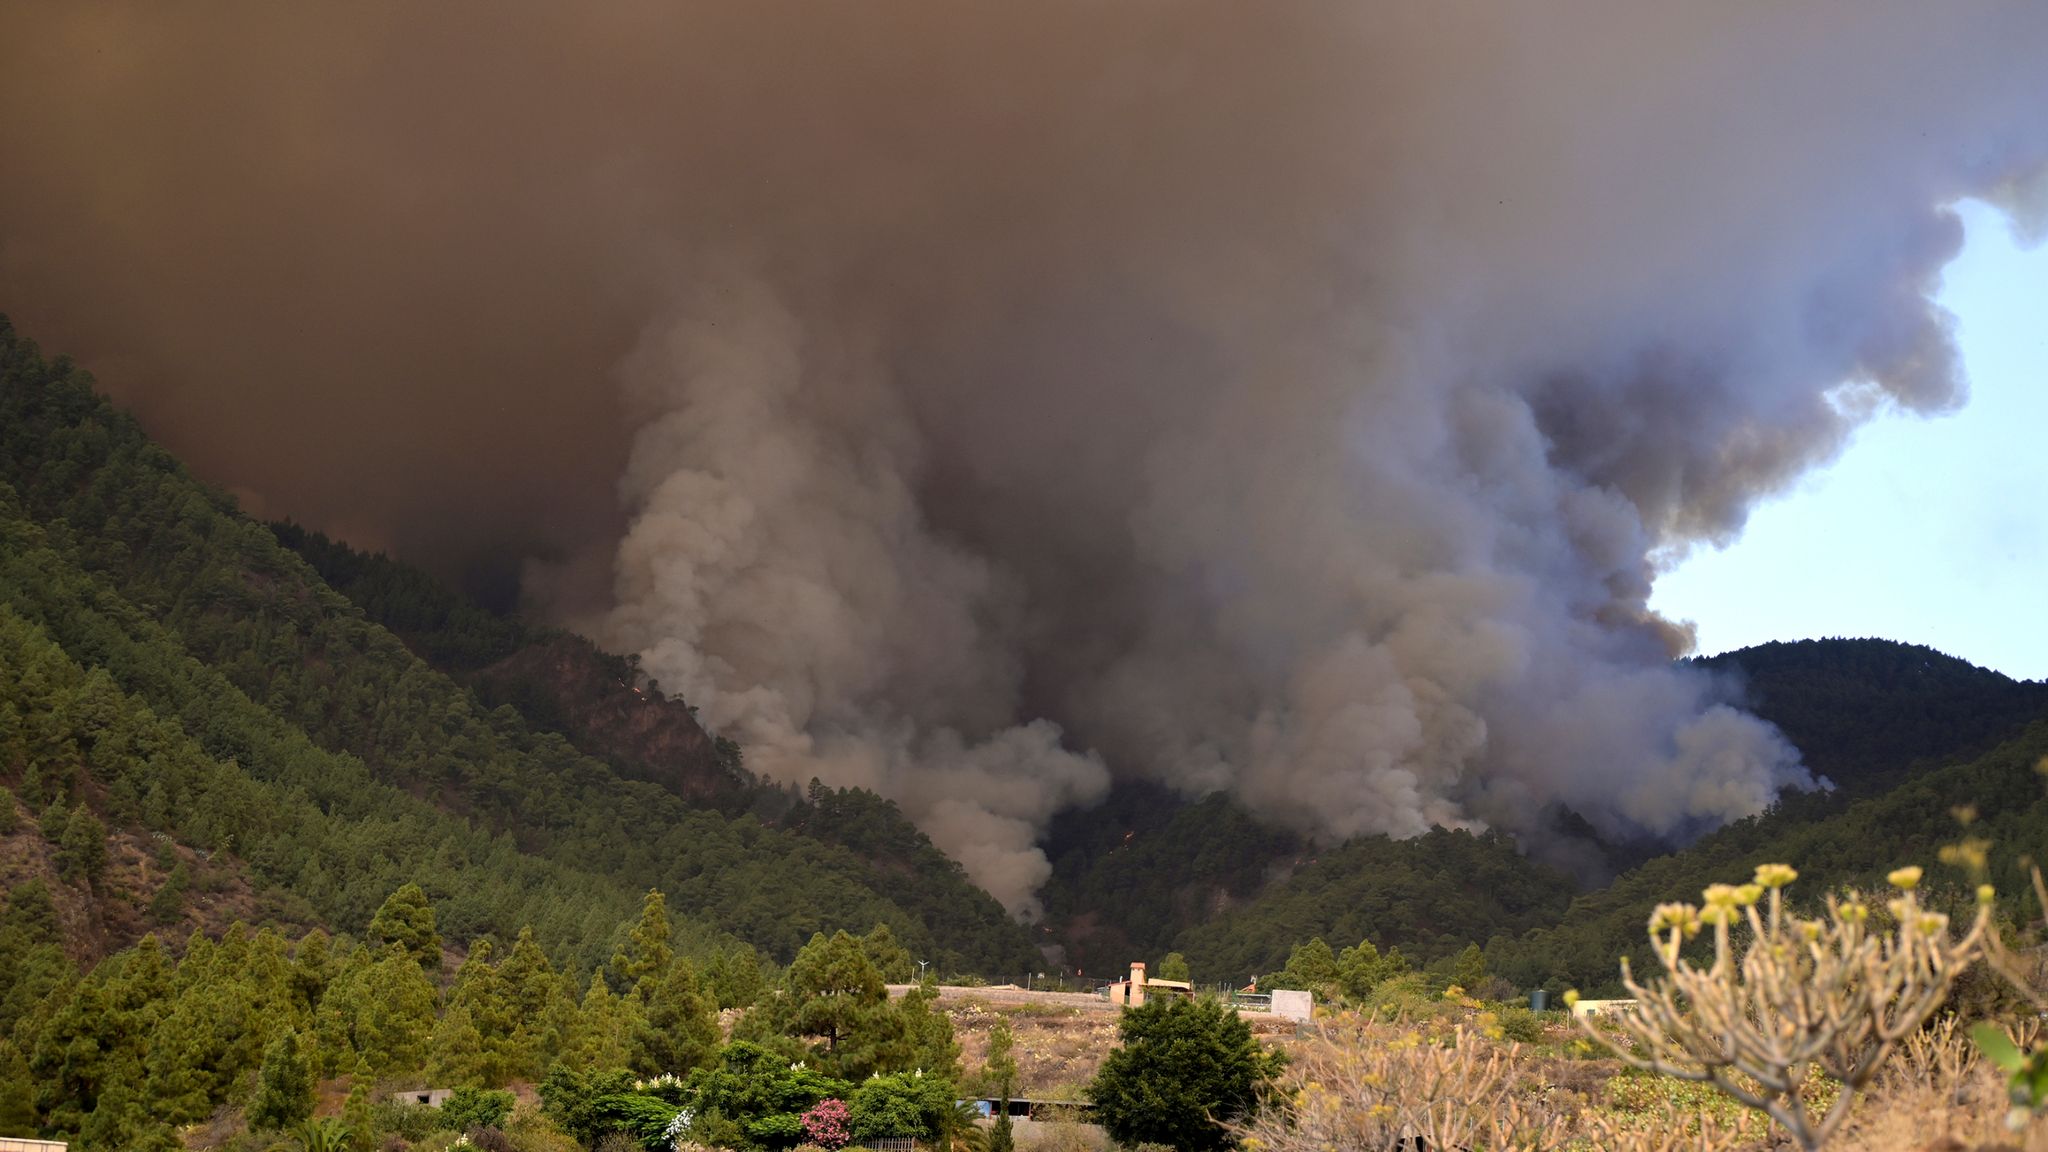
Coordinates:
974	400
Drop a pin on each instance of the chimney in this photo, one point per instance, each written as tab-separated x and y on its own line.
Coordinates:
1137	983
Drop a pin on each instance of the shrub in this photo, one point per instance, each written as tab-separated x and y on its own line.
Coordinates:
1519	1024
470	1108
1835	995
825	1125
1360	1087
901	1104
1183	1070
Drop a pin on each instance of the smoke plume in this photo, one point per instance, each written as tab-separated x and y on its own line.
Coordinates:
974	400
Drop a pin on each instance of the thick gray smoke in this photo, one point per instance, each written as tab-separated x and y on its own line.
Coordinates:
1290	399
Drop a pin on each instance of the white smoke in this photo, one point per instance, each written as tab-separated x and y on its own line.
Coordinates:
781	574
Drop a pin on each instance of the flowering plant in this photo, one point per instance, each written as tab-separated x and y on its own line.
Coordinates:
826	1124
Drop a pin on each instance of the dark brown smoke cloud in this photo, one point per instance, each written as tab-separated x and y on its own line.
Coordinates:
971	400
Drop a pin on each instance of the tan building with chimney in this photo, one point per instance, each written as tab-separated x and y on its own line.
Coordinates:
1131	993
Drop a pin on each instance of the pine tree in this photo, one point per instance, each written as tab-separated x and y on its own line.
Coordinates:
355	1110
1000	1138
833	986
284	1092
888	957
734	977
999	1067
396	1013
17	1096
168	905
406	919
456	1057
603	1028
1311	965
648	955
680	1030
312	968
10	819
480	991
56	818
1469	968
1361	969
1174	967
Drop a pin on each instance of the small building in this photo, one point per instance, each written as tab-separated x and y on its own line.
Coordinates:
17	1144
422	1097
1294	1004
1131	993
1602	1007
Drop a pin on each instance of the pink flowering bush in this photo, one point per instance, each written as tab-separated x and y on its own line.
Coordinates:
826	1124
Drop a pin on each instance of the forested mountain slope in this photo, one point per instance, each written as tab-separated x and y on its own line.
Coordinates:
1881	719
1135	872
1855	844
1429	896
1863	712
563	683
295	735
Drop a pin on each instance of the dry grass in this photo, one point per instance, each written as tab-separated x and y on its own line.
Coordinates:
1357	1084
1935	1094
1057	1048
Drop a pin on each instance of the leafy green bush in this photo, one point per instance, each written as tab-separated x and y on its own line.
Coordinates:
902	1104
1520	1025
467	1109
1183	1070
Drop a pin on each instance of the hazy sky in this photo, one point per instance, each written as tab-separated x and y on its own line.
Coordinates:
1931	531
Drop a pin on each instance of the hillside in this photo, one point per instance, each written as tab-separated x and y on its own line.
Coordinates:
562	683
1149	872
315	748
1864	712
1855	844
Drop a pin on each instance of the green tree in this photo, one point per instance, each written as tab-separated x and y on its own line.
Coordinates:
900	1104
480	991
393	1012
836	999
9	816
357	1107
407	920
167	906
680	1029
1182	1070
999	1066
648	954
284	1091
1311	965
734	979
889	958
17	1095
1174	967
455	1050
468	1109
604	1028
55	819
1361	968
82	853
1469	968
916	1036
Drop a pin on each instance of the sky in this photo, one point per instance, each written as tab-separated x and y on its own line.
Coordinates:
1933	531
